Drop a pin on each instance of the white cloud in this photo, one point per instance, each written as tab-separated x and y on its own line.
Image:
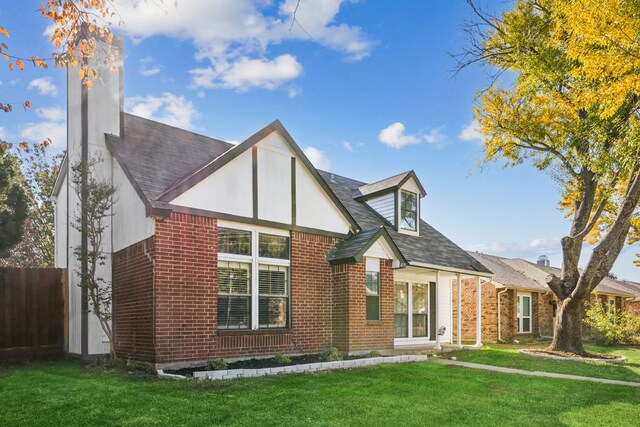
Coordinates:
527	250
53	126
247	73
168	108
435	136
394	136
226	32
317	158
44	85
294	90
471	132
149	67
3	133
351	147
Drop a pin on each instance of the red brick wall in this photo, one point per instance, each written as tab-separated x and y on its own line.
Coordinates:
633	307
469	310
352	332
133	301
185	277
545	315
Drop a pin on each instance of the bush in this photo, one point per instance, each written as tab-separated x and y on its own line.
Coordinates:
373	353
282	359
610	327
330	355
217	365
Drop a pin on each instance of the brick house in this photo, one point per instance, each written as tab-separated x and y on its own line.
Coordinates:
518	304
235	251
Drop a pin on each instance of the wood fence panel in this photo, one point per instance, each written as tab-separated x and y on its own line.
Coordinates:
31	313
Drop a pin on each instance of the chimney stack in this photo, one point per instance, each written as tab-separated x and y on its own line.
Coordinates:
543	261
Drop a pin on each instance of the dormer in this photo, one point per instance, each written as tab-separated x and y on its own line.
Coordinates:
396	199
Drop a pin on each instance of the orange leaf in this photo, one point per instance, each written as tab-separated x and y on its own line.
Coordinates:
10	66
23	145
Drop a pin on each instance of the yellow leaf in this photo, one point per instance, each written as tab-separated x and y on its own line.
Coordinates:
81	74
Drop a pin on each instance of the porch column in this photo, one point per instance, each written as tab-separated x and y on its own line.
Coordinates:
478	312
459	312
438	346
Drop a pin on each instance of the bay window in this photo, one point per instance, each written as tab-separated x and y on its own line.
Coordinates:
253	279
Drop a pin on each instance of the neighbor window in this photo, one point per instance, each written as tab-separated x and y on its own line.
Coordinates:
524	313
408	210
253	279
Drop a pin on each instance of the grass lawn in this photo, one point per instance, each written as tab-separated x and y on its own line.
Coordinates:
507	355
408	394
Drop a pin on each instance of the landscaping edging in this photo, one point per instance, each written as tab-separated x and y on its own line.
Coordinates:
293	369
575	359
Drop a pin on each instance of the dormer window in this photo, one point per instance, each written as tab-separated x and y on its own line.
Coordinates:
408	210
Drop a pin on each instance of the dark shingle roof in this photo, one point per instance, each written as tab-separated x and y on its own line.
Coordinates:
353	248
506	273
431	247
158	155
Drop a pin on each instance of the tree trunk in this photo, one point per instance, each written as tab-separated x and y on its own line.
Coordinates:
567	334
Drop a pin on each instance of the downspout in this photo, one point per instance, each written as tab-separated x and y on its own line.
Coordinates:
499	319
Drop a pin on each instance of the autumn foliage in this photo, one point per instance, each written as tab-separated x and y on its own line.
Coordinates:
80	28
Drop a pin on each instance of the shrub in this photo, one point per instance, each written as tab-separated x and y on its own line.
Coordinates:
282	359
610	327
330	355
373	353
217	365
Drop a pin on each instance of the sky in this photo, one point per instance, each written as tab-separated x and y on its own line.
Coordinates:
366	88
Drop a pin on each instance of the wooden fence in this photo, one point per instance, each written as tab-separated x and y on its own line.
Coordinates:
31	313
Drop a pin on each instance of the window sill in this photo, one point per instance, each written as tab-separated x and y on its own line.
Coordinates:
254	331
373	322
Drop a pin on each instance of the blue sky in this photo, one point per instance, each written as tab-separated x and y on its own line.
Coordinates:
368	92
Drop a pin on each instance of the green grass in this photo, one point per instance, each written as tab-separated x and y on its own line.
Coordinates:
408	394
507	356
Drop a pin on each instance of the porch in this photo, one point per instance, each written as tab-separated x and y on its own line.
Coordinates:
426	300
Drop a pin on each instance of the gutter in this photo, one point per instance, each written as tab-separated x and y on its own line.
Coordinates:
451	269
499	318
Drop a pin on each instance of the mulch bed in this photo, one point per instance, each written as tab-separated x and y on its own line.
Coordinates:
259	364
570	355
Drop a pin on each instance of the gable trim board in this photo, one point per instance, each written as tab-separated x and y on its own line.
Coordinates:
199	175
409	175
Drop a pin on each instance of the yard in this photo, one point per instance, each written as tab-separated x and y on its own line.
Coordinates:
507	356
413	394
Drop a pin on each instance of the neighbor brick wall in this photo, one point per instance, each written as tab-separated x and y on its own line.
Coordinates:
352	332
469	310
133	301
545	315
185	277
633	307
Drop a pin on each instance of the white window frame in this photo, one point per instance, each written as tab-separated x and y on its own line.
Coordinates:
255	262
410	339
521	296
373	266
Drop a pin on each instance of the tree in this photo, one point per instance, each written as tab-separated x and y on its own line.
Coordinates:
13	203
39	171
97	205
572	109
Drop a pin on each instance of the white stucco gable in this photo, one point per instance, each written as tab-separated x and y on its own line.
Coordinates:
268	180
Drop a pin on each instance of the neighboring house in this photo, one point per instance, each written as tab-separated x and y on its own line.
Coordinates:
517	303
235	251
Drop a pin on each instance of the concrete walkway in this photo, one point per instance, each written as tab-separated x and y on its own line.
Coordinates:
534	373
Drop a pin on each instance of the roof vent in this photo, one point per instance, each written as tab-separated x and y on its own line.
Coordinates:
543	260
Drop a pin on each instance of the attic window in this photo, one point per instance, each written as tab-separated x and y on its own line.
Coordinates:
408	210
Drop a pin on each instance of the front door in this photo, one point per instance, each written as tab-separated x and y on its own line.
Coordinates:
414	312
